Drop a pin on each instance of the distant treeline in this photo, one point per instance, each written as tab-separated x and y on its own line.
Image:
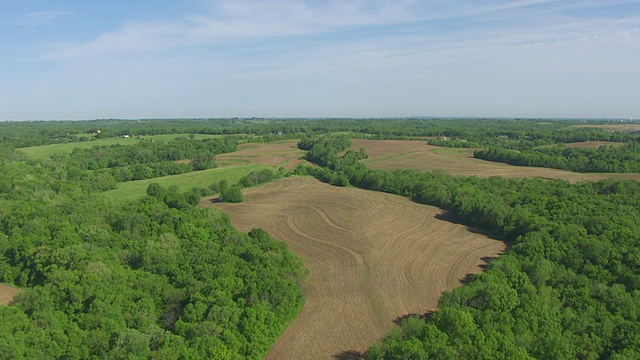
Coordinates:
526	139
483	132
606	158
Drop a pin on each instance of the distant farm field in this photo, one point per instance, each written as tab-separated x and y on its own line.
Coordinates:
44	152
612	127
132	190
374	257
405	154
231	167
281	153
7	293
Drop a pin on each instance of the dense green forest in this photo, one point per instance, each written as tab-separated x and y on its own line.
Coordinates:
568	288
155	278
160	278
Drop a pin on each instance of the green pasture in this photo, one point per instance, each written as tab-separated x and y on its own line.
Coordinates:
132	190
44	152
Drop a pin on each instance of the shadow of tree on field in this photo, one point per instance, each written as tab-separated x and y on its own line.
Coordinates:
426	316
467	278
215	200
487	260
349	355
448	217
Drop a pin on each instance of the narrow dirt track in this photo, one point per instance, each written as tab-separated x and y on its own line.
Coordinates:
373	257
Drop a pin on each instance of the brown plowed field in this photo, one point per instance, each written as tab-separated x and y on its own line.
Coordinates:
284	152
612	127
406	154
7	293
373	257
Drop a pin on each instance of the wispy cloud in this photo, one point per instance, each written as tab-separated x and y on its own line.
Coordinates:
418	53
519	4
231	21
234	23
42	17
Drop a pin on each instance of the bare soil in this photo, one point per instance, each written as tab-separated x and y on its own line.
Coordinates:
374	258
612	127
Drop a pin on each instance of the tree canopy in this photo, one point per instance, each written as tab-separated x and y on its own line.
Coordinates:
155	278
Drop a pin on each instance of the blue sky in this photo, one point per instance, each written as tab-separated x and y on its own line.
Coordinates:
293	58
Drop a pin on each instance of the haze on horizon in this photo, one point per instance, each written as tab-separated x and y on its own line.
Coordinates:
66	59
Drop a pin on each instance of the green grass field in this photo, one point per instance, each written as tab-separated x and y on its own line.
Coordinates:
231	168
44	152
133	190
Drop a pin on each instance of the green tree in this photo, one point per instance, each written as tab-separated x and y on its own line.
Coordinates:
232	194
